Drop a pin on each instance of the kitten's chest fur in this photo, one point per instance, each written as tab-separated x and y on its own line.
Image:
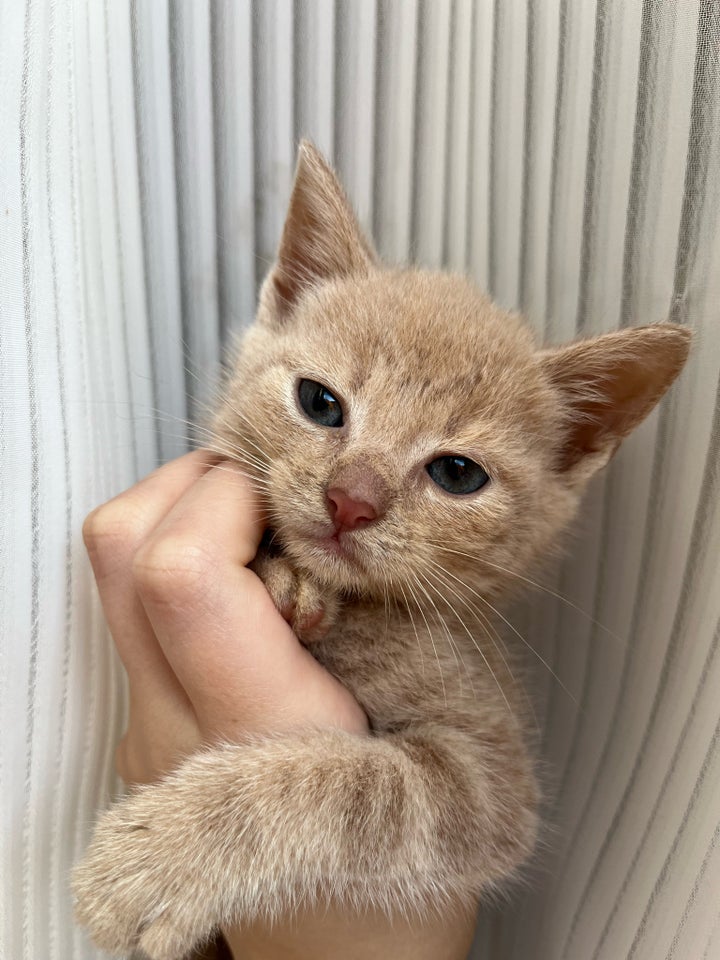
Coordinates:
405	668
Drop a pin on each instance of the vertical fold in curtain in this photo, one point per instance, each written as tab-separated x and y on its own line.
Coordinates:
567	156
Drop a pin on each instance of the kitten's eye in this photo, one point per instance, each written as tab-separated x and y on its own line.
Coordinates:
319	404
457	474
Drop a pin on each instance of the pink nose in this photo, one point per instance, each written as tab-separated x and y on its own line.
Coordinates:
347	513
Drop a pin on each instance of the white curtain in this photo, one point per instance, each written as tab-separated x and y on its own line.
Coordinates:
565	153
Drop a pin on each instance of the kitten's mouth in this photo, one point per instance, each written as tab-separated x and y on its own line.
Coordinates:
323	548
331	545
337	544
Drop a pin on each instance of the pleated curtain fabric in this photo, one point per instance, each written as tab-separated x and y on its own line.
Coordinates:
564	153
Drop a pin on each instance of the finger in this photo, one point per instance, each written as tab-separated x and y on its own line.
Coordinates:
216	524
238	660
113	533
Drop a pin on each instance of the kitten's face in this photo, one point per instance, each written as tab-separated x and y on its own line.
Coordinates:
407	434
423	367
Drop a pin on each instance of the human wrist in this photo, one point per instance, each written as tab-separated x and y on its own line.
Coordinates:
325	935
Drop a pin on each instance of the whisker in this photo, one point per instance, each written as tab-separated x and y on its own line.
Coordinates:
227	453
482	654
385	607
533	583
494	637
246	419
213	437
432	641
258	482
412	622
481	617
448	634
226	446
243	439
515	631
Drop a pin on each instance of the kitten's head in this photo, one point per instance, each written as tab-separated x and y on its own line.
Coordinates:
404	429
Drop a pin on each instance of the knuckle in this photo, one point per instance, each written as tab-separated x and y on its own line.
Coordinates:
173	566
115	525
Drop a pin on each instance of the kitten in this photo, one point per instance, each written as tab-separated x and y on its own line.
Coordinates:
417	451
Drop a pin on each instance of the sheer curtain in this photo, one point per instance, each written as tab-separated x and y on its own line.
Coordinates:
566	155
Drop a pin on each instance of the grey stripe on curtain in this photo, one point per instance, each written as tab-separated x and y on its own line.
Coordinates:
567	156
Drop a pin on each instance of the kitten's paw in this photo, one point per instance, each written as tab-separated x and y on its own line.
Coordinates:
309	611
138	888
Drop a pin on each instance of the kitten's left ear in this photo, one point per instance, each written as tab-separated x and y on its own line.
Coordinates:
321	239
608	386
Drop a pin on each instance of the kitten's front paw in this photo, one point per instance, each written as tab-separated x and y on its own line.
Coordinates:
309	611
137	887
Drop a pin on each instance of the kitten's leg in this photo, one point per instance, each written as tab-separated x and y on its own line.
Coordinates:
407	821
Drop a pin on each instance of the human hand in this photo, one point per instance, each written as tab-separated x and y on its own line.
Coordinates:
207	655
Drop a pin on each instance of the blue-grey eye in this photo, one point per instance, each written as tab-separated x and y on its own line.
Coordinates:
457	474
319	404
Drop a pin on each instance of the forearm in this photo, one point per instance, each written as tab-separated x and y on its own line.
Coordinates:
327	935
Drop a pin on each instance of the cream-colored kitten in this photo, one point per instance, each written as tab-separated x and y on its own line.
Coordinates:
415	447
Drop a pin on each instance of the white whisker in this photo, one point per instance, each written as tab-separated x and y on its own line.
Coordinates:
432	641
532	583
514	630
448	634
482	654
487	626
412	623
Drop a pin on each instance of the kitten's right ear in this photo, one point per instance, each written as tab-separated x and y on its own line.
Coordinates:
321	239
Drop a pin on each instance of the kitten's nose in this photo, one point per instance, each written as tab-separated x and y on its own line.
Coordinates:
347	513
357	495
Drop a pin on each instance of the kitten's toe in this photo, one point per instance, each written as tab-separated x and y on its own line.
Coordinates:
118	922
313	613
126	883
281	583
109	929
167	939
308	611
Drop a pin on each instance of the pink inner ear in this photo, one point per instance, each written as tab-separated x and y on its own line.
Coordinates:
608	412
594	426
611	384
